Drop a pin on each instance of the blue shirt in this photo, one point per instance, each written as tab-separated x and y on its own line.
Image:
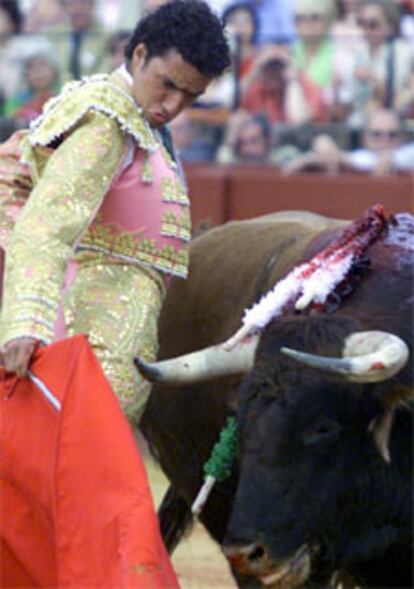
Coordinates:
276	21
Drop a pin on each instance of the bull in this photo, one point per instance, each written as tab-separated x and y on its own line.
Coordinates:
322	480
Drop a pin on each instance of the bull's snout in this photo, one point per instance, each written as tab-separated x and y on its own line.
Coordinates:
254	560
248	560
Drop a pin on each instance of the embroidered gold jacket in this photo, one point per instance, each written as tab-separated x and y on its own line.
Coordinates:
92	122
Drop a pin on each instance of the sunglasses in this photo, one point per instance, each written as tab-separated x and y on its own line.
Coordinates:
309	17
382	134
370	24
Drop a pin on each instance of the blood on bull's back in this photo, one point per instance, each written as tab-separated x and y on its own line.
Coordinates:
231	267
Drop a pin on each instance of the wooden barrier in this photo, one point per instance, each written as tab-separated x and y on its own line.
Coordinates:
222	193
208	189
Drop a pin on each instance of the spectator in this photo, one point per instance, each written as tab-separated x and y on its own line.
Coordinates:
241	26
317	57
116	49
218	5
81	43
14	48
385	62
148	5
249	140
10	20
42	78
345	30
43	14
275	87
405	100
407	19
275	21
275	18
119	15
383	150
240	19
193	144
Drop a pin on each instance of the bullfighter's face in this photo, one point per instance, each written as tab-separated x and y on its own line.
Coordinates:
165	85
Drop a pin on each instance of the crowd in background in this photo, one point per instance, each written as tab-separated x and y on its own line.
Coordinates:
315	85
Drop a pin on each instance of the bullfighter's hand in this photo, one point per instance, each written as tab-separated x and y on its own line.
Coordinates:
16	355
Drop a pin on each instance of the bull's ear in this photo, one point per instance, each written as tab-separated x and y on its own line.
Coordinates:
398	395
381	427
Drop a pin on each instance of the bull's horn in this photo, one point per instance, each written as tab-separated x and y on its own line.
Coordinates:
368	356
202	365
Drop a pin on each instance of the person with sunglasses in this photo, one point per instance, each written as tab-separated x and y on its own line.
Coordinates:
384	61
382	151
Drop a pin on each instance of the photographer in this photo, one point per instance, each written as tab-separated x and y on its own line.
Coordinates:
275	88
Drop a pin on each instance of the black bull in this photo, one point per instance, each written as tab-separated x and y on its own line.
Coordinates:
310	493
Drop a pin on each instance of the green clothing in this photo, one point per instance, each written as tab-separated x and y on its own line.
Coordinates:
319	68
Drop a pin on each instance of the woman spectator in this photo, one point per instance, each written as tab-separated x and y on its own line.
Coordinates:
10	23
345	29
14	48
385	62
43	14
275	87
42	79
241	24
318	58
117	43
249	140
240	19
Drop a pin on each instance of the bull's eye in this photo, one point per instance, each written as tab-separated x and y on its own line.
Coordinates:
324	431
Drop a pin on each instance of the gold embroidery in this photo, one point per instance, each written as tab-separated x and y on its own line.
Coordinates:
69	186
174	225
147	175
127	245
98	93
58	211
103	303
15	185
172	190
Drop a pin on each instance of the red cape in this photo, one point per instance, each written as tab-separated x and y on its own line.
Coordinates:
75	505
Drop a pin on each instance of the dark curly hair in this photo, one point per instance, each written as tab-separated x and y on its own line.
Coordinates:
191	28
